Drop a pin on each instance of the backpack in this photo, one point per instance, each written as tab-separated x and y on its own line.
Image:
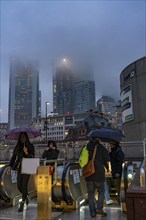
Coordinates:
84	156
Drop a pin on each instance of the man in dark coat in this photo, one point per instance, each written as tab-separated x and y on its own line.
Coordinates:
96	181
117	158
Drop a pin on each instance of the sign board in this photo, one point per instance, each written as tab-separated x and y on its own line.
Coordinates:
14	176
76	177
126	103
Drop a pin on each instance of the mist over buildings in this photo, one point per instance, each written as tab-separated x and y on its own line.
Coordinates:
98	38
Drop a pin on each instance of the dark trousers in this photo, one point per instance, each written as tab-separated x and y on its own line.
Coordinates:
117	184
22	183
93	204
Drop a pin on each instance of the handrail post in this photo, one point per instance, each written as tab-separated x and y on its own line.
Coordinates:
144	147
55	171
142	174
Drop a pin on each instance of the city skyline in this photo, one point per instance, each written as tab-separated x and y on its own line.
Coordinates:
108	35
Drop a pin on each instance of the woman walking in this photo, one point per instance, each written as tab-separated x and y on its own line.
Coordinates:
23	149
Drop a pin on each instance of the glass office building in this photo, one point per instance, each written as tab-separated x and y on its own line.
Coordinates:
84	96
62	91
23	93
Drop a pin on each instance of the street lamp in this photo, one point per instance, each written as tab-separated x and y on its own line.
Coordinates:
47	103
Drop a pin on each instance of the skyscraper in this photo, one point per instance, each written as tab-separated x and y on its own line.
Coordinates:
62	91
23	93
106	104
84	96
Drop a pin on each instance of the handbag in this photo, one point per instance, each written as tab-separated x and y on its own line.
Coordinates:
30	165
89	169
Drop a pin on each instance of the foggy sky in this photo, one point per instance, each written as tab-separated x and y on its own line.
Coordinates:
108	35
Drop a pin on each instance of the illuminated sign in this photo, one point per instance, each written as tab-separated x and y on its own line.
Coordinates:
126	103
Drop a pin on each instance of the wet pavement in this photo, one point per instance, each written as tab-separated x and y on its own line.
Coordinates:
30	213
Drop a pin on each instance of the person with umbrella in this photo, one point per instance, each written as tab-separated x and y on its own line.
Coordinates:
23	149
112	136
96	181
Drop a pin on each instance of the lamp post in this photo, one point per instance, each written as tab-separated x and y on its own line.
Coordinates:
47	103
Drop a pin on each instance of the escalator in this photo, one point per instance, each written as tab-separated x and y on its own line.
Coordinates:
70	185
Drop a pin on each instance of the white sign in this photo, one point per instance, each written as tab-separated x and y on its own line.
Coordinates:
14	176
126	103
76	177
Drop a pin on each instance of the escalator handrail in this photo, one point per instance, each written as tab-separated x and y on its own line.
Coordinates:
63	182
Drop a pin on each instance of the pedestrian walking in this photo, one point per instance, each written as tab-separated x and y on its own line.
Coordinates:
23	149
96	181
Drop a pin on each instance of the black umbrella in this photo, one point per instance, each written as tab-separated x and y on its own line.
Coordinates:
107	134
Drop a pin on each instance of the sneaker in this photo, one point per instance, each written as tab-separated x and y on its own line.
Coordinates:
93	214
21	207
109	202
101	212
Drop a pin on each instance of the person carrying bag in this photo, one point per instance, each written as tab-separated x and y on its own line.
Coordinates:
89	168
23	149
98	161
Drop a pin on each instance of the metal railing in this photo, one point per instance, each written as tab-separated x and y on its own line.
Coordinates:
144	147
71	151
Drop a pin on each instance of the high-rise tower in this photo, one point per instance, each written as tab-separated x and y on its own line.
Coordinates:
84	96
62	91
23	93
106	104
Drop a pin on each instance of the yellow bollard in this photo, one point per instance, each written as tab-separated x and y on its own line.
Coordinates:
44	193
